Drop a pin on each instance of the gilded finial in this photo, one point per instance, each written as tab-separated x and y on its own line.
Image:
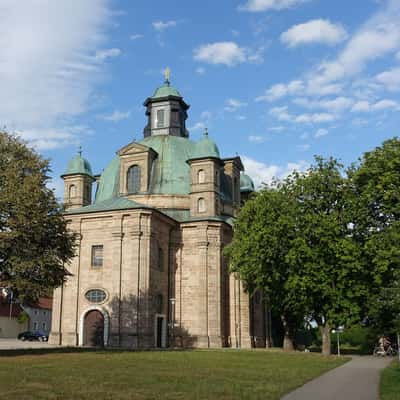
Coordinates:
167	75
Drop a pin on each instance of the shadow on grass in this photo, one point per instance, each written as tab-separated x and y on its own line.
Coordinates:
74	350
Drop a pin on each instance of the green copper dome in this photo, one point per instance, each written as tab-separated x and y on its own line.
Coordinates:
165	91
246	183
206	147
79	165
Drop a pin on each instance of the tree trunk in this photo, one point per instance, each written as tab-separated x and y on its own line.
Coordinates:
326	339
288	344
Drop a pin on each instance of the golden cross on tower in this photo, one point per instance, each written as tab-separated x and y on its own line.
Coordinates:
167	74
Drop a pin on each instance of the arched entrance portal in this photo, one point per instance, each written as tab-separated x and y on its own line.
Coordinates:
93	329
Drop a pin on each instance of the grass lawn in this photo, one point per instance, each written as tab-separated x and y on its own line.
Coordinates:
218	374
390	382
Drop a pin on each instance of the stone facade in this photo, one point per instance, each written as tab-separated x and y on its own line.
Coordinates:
154	258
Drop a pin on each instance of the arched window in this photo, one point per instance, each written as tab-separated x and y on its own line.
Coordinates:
201	176
72	191
201	205
133	179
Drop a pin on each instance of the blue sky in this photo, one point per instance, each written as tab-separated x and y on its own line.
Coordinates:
276	81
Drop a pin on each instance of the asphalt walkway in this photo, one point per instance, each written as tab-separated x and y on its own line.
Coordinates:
356	380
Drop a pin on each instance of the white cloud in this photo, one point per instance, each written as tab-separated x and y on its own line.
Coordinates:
136	36
264	173
226	53
161	26
198	126
102	55
337	104
342	76
315	31
48	67
385	104
280	90
116	116
54	138
282	114
314	118
390	79
320	133
233	105
377	38
266	5
256	139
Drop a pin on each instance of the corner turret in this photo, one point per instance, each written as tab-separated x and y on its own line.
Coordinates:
78	179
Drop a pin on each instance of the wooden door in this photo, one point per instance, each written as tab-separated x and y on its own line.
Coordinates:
159	332
93	329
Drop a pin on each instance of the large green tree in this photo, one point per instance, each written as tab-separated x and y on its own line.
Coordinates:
376	182
34	240
295	243
324	249
264	232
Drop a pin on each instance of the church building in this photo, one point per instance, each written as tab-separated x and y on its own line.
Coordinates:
149	269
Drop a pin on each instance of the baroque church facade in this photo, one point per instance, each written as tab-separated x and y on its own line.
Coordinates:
149	269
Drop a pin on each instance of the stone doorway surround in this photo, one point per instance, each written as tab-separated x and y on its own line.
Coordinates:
106	320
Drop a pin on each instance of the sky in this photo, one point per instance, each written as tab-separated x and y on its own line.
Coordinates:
275	81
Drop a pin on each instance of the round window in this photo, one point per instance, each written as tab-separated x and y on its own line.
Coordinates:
95	295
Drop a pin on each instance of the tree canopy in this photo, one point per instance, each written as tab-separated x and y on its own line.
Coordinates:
264	233
314	243
34	240
376	182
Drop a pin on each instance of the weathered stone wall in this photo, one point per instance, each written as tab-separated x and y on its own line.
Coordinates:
154	268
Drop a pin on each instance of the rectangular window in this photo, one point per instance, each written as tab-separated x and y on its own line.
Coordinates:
97	256
35	326
175	117
160	118
160	259
44	325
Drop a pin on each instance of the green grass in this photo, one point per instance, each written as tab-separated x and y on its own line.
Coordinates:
219	374
390	382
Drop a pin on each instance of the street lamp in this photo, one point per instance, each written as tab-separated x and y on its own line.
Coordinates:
338	331
8	293
172	323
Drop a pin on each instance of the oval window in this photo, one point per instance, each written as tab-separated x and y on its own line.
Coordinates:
95	295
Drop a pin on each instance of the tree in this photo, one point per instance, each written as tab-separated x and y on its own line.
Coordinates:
264	232
295	243
324	249
34	240
376	182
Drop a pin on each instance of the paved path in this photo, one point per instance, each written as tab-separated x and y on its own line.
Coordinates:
15	344
356	380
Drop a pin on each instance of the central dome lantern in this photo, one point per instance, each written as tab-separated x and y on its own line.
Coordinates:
166	111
